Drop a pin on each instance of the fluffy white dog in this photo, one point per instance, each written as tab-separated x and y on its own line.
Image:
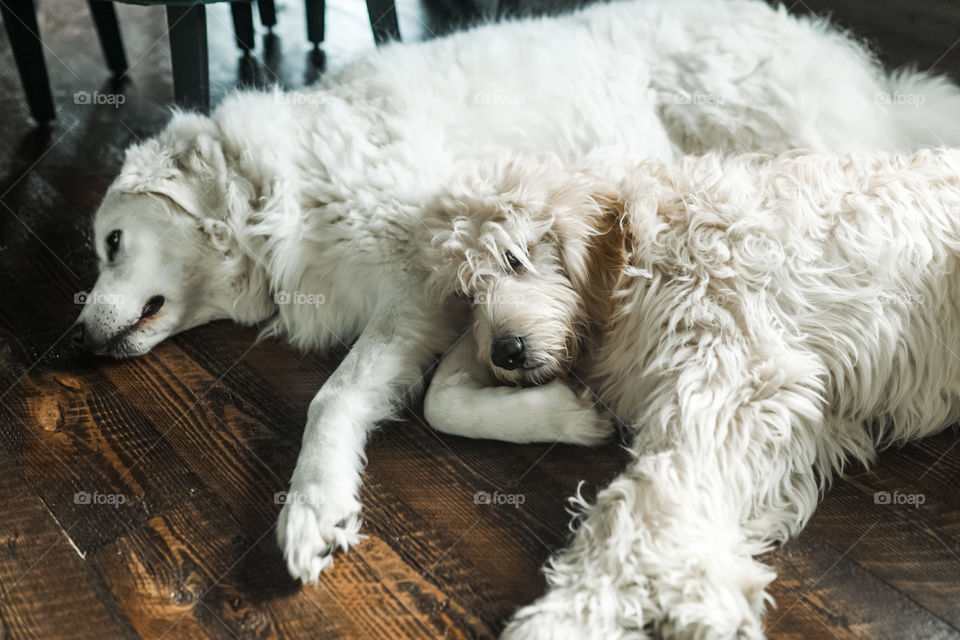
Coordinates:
299	209
754	322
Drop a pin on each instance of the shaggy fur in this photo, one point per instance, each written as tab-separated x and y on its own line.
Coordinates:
299	209
754	322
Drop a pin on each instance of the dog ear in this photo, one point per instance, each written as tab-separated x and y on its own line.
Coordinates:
200	185
185	164
594	241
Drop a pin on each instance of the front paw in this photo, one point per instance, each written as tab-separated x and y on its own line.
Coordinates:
564	613
574	417
312	526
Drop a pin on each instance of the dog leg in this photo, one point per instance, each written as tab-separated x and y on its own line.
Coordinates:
463	400
322	509
724	468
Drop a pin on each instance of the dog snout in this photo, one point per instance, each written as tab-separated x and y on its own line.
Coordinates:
82	337
507	352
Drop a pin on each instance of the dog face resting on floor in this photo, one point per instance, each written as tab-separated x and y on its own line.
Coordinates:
755	322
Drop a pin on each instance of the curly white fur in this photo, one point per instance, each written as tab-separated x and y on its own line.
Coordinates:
315	195
754	321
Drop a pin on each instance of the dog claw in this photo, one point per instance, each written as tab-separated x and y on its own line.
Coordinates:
309	539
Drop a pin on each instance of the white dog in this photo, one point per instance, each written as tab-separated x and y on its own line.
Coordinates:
754	322
299	209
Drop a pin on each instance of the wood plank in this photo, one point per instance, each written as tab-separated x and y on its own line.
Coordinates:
823	593
915	549
45	587
191	573
101	448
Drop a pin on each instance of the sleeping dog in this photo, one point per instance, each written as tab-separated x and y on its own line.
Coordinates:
754	323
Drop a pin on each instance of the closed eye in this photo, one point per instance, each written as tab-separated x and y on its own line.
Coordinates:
512	261
113	244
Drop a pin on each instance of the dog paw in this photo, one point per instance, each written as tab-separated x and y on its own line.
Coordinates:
574	418
310	529
724	602
564	614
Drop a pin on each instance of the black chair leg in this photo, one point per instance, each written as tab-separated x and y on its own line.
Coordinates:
105	20
242	24
188	52
315	10
20	18
268	13
383	20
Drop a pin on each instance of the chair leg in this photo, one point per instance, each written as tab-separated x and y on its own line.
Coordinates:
105	20
315	11
268	12
383	20
188	52
20	18
242	24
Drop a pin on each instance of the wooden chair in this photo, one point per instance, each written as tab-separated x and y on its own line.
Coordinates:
187	25
383	20
188	46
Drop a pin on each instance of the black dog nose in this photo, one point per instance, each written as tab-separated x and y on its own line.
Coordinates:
78	333
507	353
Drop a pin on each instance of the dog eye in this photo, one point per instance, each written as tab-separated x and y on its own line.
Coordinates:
113	244
513	261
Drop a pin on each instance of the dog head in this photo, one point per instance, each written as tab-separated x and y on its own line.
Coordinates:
166	249
538	252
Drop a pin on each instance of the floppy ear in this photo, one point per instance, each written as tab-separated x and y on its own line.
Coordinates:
185	163
462	227
594	242
454	238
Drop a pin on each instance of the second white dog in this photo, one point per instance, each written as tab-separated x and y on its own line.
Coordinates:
755	322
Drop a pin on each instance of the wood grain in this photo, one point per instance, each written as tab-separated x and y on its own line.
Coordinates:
138	498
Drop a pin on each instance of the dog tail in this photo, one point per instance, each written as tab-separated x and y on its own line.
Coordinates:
924	109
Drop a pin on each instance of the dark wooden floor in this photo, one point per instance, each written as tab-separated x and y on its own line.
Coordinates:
196	438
